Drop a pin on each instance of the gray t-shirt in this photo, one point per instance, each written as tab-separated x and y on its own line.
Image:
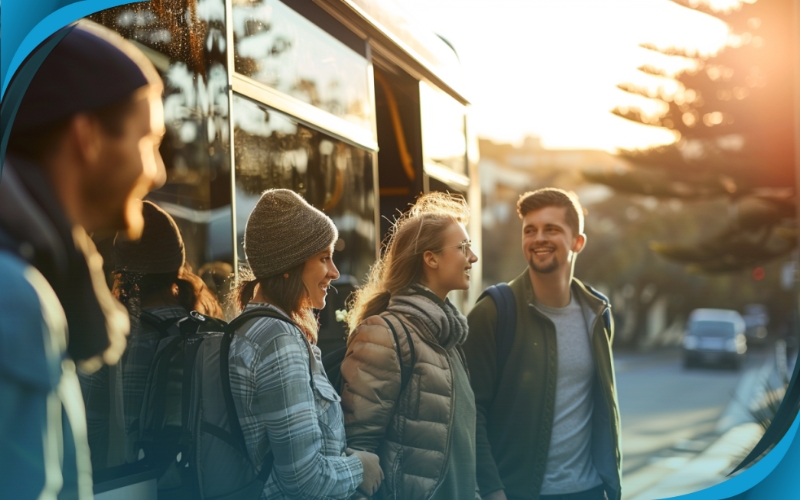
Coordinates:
569	461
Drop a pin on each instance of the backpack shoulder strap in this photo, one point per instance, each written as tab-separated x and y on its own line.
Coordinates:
225	346
162	326
239	321
405	370
607	319
252	314
506	305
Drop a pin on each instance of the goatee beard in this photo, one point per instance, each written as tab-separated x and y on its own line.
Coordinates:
546	269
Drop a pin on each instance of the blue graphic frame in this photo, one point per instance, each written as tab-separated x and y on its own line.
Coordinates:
27	24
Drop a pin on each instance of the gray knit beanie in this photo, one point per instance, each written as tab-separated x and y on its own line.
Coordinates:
283	231
159	250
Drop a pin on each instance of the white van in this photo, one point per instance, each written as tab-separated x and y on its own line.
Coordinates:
714	336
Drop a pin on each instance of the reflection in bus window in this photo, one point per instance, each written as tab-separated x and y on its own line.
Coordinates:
185	41
443	133
278	47
274	151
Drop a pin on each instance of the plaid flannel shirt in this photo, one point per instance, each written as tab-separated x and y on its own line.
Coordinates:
138	358
284	404
135	365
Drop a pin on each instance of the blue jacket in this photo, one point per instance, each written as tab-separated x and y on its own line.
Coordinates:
49	305
35	379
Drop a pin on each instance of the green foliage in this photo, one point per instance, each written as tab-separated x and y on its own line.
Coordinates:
733	119
618	256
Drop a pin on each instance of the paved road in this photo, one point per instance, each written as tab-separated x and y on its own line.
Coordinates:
669	414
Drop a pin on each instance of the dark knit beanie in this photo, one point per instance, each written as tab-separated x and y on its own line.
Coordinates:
159	250
91	67
283	231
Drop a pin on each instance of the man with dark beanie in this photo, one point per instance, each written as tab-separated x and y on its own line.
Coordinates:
82	152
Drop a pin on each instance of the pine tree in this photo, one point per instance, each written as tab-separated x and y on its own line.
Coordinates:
733	120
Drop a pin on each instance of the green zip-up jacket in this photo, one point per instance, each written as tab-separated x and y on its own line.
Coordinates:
515	405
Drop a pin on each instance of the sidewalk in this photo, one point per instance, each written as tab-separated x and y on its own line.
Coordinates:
737	432
709	467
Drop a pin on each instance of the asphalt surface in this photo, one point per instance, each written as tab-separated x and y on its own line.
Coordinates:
669	414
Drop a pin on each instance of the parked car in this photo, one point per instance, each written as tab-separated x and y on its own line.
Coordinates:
714	337
756	320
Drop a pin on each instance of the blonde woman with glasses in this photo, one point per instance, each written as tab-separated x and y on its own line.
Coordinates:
406	393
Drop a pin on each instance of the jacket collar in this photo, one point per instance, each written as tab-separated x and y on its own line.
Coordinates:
41	234
38	231
587	298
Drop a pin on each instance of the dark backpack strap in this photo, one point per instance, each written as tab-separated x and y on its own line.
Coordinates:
191	346
161	362
607	312
405	371
162	326
332	364
252	314
266	467
506	330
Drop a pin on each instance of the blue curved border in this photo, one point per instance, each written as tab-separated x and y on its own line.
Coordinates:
26	24
768	474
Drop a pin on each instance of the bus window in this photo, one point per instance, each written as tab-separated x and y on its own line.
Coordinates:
197	193
276	46
272	150
444	142
192	64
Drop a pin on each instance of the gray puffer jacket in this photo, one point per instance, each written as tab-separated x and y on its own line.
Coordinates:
410	432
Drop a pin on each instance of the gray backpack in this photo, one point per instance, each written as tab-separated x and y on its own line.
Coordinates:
189	429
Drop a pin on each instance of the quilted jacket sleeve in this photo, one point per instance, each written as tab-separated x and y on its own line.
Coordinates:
371	384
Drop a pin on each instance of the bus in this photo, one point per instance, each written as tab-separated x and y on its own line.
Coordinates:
350	103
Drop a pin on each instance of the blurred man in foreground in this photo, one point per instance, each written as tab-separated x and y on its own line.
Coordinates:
82	153
547	413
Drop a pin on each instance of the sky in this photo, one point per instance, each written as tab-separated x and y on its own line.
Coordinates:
550	68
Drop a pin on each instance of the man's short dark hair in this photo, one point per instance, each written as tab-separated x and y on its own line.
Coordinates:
553	197
38	144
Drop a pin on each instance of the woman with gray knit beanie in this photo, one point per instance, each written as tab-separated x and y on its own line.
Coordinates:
417	412
284	401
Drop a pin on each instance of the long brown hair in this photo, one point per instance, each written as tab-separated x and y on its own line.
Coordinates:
133	288
285	291
418	230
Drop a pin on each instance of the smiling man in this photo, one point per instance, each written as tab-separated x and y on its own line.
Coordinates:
82	153
547	414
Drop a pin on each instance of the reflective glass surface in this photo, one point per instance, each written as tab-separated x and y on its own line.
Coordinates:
274	151
712	328
185	40
278	47
443	132
424	42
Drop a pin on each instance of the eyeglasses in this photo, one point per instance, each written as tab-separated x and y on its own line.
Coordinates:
465	247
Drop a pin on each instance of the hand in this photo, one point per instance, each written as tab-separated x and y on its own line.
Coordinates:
496	495
373	474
